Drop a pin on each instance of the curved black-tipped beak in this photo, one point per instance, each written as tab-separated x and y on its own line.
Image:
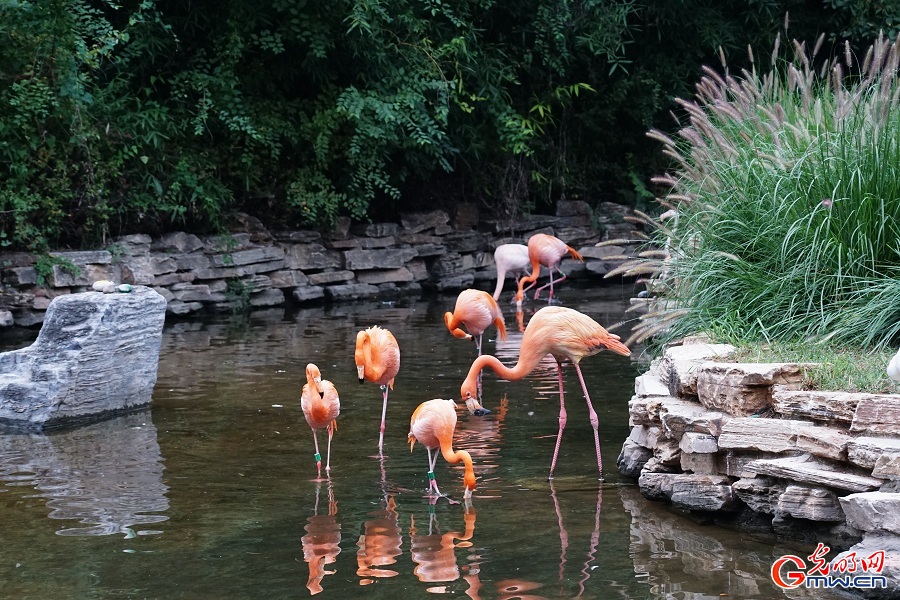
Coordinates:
362	379
321	394
480	412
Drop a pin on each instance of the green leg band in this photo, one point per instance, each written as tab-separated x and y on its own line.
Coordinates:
431	475
318	457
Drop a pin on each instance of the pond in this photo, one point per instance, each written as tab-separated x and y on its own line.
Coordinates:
212	493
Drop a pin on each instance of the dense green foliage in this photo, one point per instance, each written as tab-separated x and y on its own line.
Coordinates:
147	116
788	203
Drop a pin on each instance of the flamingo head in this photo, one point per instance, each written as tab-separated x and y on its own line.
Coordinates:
470	397
362	341
314	378
469	483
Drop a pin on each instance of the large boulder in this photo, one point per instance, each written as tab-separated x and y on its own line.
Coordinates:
96	354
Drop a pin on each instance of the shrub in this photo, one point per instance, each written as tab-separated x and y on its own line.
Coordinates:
786	195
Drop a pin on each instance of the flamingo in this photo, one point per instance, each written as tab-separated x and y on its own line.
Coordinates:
378	360
321	406
476	310
893	368
566	334
432	424
544	250
510	258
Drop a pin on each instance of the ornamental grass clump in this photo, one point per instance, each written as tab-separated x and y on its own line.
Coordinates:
786	204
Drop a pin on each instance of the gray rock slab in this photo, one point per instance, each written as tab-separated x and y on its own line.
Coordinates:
649	385
830	407
351	291
865	450
680	364
288	278
632	459
391	258
761	494
809	502
418	222
807	469
877	415
377	277
311	257
179	242
827	442
680	416
743	389
308	293
270	297
873	511
247	257
883	549
95	354
326	277
703	492
764	435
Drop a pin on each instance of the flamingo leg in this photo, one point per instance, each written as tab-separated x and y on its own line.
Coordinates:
478	345
318	456
595	421
330	435
563	534
562	418
550	285
432	482
383	415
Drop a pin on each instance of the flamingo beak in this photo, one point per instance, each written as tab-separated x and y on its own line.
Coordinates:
359	372
475	408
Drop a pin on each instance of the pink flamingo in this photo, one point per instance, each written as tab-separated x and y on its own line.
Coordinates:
510	258
377	359
566	334
476	310
321	406
432	424
544	250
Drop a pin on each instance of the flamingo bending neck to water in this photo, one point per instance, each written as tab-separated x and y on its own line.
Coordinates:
544	250
477	311
321	406
432	425
377	359
566	334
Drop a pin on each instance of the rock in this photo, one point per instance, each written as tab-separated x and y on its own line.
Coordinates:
743	389
698	443
865	451
351	291
656	486
326	277
95	354
299	237
6	318
178	307
646	437
632	459
827	442
308	293
877	512
192	262
812	503
830	407
761	494
680	363
247	257
375	230
572	208
699	464
393	258
288	278
877	548
180	242
269	297
638	413
189	292
649	385
455	282
806	469
417	222
887	467
312	257
764	435
680	416
877	415
386	276
703	492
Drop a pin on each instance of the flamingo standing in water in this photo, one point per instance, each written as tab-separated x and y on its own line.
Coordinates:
378	360
432	424
321	406
544	250
566	334
510	258
476	310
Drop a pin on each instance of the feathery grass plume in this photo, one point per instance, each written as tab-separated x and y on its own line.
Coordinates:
786	187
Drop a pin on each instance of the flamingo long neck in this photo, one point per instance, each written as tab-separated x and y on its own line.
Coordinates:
453	323
454	457
526	364
523	281
501	279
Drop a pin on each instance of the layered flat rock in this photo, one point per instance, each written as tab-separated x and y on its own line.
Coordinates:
95	354
806	469
873	511
808	502
743	389
866	450
763	435
877	415
680	364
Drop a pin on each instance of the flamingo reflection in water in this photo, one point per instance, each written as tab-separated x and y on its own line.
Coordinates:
380	543
322	542
435	553
564	540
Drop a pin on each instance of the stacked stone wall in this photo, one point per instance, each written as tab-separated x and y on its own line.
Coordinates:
353	261
742	444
